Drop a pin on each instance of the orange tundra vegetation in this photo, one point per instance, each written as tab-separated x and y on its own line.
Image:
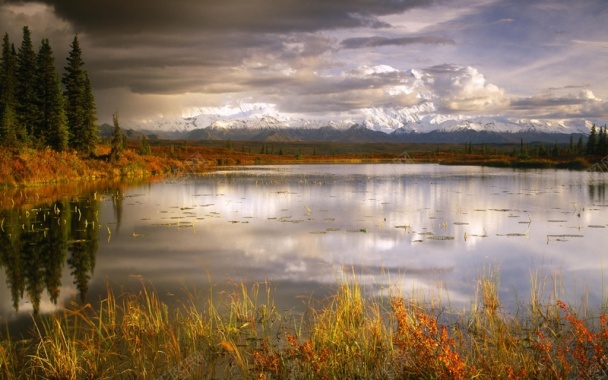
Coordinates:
240	334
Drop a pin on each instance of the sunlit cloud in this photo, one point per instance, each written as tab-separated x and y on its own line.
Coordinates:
488	57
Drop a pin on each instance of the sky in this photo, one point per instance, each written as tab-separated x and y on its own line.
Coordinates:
322	59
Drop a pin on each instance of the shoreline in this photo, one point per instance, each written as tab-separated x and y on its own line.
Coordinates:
38	168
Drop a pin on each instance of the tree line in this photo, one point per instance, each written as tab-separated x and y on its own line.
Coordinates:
597	143
38	107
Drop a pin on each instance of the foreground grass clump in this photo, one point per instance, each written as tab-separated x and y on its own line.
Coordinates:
242	335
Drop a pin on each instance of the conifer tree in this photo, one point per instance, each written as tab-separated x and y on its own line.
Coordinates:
592	141
602	142
90	114
555	150
80	104
25	93
118	143
579	145
8	120
51	125
144	148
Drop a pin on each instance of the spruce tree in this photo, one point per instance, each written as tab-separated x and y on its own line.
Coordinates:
579	145
592	141
25	87
144	148
118	143
51	124
8	119
602	142
80	104
90	114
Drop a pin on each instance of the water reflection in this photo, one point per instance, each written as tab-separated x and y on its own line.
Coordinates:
597	191
424	229
38	242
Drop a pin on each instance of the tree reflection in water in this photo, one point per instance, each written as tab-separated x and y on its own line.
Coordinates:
35	242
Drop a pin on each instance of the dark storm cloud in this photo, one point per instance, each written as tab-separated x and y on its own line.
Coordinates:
367	42
115	17
233	60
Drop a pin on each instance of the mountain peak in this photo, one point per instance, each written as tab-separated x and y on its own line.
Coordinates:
419	118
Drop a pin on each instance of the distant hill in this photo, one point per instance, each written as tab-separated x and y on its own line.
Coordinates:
355	134
420	124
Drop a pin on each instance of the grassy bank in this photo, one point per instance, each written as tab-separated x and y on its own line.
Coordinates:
241	334
574	163
30	167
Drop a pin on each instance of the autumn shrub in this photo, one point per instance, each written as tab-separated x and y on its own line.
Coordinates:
425	347
242	335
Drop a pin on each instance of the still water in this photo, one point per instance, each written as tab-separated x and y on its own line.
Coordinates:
425	230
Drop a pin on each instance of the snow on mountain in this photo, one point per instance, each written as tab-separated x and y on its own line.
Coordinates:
420	118
425	91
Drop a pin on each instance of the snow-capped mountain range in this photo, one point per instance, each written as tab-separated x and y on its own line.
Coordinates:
417	119
427	94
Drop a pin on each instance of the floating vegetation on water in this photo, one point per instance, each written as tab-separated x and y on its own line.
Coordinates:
565	236
134	234
364	230
485	234
438	237
556	221
318	232
333	229
77	241
596	226
288	220
461	223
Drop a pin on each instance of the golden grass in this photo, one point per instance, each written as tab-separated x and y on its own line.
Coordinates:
240	334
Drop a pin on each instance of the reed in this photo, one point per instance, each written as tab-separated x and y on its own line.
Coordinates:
239	333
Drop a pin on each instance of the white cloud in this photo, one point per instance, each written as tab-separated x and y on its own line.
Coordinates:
464	89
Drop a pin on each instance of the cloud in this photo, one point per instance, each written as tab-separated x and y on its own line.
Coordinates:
464	89
560	103
117	17
319	56
367	42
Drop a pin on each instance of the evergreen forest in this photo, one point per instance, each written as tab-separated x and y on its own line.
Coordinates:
40	107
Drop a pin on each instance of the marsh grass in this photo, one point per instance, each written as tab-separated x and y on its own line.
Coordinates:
240	334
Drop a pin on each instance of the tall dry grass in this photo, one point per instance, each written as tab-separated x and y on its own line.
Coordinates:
241	334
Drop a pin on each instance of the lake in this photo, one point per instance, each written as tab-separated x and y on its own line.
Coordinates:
427	231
